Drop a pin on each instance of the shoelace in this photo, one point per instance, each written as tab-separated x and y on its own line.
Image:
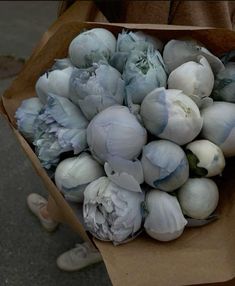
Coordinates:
40	204
79	250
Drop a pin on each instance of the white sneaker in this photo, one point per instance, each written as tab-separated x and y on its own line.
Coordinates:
35	203
79	257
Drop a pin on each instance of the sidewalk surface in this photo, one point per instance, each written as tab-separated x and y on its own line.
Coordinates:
28	253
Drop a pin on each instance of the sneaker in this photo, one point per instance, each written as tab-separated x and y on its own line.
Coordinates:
35	203
79	257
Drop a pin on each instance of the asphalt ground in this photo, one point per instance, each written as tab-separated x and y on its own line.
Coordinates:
28	252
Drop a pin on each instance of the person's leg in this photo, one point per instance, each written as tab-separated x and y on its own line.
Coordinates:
38	205
76	258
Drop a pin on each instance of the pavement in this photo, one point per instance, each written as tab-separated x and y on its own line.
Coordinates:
28	252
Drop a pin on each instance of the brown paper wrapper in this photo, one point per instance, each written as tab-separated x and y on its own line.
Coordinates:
200	255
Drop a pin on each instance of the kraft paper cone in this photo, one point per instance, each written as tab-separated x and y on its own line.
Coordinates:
200	255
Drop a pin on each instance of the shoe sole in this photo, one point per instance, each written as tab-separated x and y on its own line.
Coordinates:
78	269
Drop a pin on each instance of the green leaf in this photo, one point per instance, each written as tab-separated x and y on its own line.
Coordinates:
144	210
195	171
